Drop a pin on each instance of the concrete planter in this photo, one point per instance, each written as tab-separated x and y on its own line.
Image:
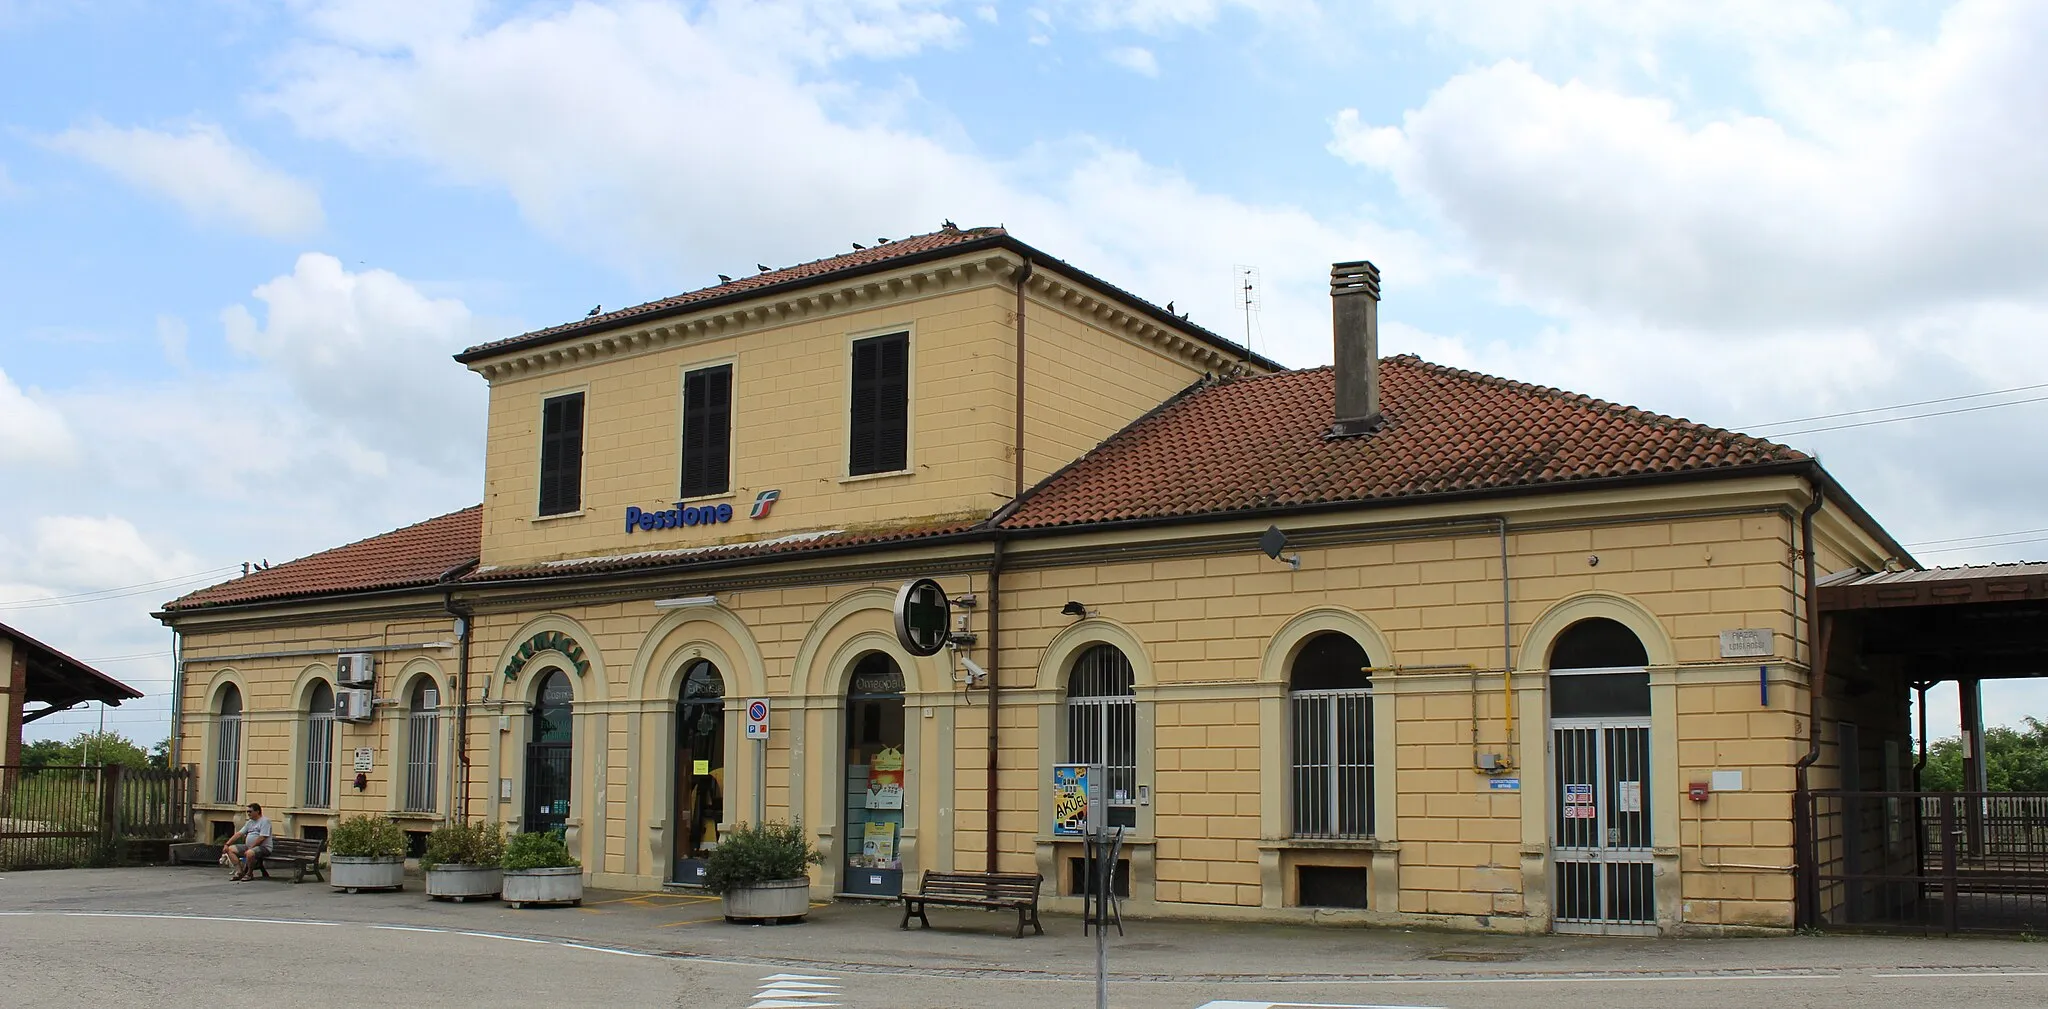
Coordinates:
464	882
351	873
775	901
561	885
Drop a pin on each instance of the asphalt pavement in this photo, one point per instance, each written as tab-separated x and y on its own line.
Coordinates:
185	936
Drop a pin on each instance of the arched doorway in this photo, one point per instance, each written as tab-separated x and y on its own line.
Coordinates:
873	862
1600	757
699	770
550	744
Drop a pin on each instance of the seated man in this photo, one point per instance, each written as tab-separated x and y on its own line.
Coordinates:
246	847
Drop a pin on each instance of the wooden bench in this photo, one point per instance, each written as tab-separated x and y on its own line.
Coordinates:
993	891
292	853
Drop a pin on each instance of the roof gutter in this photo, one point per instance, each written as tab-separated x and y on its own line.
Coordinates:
1795	468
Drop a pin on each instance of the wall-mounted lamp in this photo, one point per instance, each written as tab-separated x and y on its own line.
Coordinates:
683	602
1272	541
1074	609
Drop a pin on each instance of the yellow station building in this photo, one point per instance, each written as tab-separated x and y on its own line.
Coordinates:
1495	634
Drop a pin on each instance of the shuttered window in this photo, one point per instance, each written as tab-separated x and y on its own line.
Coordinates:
561	454
880	432
707	431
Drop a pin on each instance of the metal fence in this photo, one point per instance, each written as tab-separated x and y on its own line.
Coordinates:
1332	790
422	736
1925	861
60	817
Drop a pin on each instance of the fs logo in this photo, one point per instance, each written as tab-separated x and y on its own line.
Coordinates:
764	503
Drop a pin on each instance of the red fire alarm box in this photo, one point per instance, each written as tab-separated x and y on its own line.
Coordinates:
1697	791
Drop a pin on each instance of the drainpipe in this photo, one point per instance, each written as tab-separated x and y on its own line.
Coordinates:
995	582
464	619
1023	279
1507	649
1818	634
1920	761
995	623
177	751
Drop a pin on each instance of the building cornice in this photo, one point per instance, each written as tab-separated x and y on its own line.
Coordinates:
829	299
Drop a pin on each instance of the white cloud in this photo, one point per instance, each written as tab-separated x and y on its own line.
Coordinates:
93	552
31	431
173	335
1527	27
573	114
1136	59
1159	16
1583	196
212	178
370	351
9	189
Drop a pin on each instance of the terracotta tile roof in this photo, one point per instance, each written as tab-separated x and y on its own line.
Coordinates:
873	255
1256	443
420	554
685	557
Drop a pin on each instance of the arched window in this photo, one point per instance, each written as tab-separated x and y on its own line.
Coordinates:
422	745
1330	697
1102	726
1602	663
319	746
227	746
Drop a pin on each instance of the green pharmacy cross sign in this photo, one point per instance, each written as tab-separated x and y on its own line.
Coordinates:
547	641
924	617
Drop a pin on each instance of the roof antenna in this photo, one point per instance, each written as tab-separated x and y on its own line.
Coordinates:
1246	293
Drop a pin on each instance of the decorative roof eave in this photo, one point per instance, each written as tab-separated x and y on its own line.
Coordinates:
851	295
1115	316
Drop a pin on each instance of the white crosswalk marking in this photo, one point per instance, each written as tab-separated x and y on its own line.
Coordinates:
795	991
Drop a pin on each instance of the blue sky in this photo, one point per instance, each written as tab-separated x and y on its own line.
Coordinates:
238	240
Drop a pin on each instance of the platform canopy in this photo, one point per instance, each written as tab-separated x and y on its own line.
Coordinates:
59	681
1981	622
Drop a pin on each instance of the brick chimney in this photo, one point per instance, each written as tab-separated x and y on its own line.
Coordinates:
1355	321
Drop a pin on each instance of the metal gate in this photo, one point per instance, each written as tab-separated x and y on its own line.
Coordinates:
547	787
1600	827
1924	861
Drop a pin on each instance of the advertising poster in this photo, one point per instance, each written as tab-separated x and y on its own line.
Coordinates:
885	779
1070	800
878	846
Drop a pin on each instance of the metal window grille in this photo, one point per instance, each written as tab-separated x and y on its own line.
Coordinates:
227	758
422	734
319	759
1102	721
1332	763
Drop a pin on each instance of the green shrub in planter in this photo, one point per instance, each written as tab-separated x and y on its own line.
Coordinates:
752	854
537	851
367	836
479	843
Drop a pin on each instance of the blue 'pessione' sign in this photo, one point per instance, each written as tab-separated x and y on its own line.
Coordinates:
677	517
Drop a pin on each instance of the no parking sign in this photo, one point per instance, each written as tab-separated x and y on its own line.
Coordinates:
757	718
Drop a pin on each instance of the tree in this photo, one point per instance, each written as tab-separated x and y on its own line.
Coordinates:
43	753
88	748
2015	760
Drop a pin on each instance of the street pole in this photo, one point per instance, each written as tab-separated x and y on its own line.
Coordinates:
1103	878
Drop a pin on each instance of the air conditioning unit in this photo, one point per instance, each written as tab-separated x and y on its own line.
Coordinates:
352	705
356	669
